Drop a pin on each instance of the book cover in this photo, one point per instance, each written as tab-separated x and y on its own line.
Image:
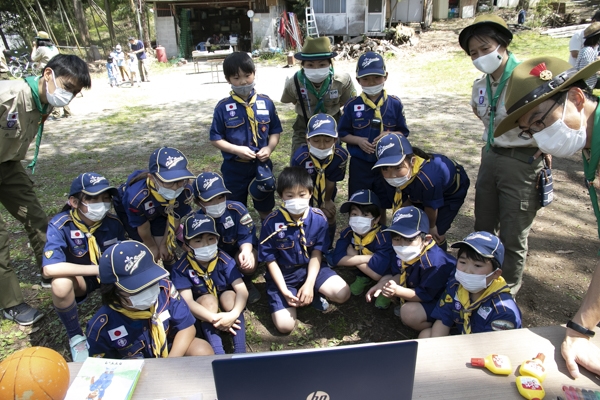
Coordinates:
104	378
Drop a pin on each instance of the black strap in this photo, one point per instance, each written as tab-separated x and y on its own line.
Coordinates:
301	99
583	330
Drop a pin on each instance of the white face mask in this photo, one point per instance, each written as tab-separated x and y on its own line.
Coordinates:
489	63
360	225
559	140
473	283
206	253
372	90
96	211
398	182
216	210
407	253
169	194
60	97
316	75
146	298
243	91
296	206
320	154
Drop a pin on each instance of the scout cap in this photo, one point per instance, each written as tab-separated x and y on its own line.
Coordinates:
489	20
316	49
535	81
391	150
321	124
591	30
263	184
209	185
170	165
363	197
409	222
91	184
42	35
130	265
370	63
485	244
199	223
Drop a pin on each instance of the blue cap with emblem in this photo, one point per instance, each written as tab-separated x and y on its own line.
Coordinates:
370	63
169	164
263	184
363	197
91	184
199	223
391	150
409	222
209	185
485	244
130	265
321	124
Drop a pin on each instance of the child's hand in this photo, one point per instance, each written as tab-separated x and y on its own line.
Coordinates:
246	260
164	252
389	289
305	295
375	291
328	209
366	146
245	153
351	251
155	253
264	154
292	300
226	322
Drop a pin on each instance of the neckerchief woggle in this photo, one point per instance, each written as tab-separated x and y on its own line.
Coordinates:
511	63
497	286
157	329
361	243
33	82
589	167
325	86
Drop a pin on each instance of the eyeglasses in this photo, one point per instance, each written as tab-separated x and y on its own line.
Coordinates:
537	126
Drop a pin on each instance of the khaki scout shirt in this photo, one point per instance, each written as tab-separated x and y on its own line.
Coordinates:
19	120
43	54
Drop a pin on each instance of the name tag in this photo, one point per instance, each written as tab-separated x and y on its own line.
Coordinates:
484	312
260	104
262	112
163	316
228	222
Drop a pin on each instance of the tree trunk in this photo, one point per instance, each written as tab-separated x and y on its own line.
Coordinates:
84	32
6	46
109	23
145	33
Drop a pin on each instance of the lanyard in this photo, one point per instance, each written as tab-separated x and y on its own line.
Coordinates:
589	167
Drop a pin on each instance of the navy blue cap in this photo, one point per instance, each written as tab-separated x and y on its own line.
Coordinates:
130	265
391	150
370	63
363	197
169	164
209	185
409	222
263	184
199	223
484	243
321	124
91	184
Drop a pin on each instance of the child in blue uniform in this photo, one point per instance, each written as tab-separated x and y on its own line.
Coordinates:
478	298
142	314
210	283
246	129
364	244
325	161
420	271
432	182
75	240
152	202
292	241
364	121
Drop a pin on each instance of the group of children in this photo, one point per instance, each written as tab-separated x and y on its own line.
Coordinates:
125	64
193	246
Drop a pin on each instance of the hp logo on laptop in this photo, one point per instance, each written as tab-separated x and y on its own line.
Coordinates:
318	395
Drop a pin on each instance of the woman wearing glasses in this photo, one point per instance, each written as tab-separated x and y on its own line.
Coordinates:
506	198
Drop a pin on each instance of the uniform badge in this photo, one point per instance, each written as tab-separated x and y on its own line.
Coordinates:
49	253
481	91
448	299
281	234
11	124
502	325
481	99
333	94
262	112
148	205
78	242
232	113
228	222
194	277
457	305
76	234
117	333
12	119
359	107
304	93
484	312
358	114
309	164
246	219
441	302
280	226
263	128
151	211
231	106
260	104
122	342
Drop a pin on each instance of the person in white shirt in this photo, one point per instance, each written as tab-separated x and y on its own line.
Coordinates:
576	42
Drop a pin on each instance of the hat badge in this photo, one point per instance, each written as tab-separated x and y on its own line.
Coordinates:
367	61
95	179
208	182
132	263
478	236
402	216
173	161
382	149
199	222
541	71
320	122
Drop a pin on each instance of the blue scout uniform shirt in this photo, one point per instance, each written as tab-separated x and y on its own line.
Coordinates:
230	123
113	335
496	314
381	247
429	274
357	117
334	172
284	246
235	228
66	243
223	276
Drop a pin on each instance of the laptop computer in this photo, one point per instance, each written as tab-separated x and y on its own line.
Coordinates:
356	372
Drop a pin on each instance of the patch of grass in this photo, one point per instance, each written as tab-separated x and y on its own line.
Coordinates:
127	115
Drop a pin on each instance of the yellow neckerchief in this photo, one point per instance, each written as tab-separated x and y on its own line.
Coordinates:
300	224
361	243
157	329
250	113
320	183
496	287
169	206
376	107
406	264
205	274
416	167
93	247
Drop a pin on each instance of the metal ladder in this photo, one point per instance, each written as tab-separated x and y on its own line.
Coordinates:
311	23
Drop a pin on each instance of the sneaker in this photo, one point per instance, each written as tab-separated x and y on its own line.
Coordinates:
46	283
359	285
397	311
23	314
320	303
253	293
79	348
382	302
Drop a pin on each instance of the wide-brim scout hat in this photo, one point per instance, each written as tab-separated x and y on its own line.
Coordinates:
130	265
535	81
592	30
409	222
491	20
321	124
370	63
391	150
91	184
363	197
169	164
199	223
209	185
263	184
316	49
485	244
42	35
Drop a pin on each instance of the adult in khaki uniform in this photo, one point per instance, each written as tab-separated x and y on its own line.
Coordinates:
43	49
24	105
322	90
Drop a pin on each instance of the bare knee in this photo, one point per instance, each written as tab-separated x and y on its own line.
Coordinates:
199	347
284	320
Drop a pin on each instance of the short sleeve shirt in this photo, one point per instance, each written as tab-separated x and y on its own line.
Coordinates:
435	181
235	228
335	171
381	247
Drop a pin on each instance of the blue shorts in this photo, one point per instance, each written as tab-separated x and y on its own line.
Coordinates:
237	176
294	279
429	307
361	176
91	284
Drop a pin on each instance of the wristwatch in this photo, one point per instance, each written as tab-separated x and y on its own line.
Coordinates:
578	328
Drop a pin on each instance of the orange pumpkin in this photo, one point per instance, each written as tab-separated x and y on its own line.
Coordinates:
34	373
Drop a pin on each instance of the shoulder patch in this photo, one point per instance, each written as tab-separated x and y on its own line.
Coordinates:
48	254
502	325
246	220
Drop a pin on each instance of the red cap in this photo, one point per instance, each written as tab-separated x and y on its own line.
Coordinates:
478	362
541	357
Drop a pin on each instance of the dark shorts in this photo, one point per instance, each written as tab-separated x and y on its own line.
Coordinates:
429	307
91	284
361	176
452	204
237	176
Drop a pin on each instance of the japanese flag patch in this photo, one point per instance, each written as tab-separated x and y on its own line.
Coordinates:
309	164
231	106
148	205
117	333
280	226
482	91
76	234
13	116
359	107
